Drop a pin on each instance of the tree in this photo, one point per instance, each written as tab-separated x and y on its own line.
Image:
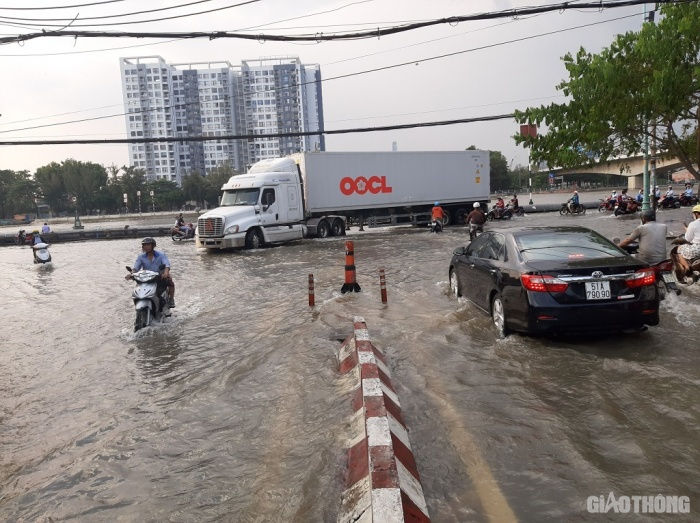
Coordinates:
83	180
167	195
17	193
645	84
131	181
50	180
194	187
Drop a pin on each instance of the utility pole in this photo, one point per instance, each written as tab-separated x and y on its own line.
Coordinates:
646	183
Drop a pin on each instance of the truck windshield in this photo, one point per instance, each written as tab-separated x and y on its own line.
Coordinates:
240	197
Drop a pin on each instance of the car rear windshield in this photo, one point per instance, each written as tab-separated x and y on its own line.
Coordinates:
569	245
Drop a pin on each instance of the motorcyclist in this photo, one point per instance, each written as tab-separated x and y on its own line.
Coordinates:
688	193
690	250
640	196
151	260
180	227
623	200
437	214
476	220
36	239
514	202
652	239
573	202
21	237
499	207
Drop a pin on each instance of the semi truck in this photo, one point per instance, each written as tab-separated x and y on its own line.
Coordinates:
321	194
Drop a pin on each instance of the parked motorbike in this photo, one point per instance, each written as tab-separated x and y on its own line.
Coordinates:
178	235
435	226
150	304
666	281
626	207
41	253
575	209
505	214
688	200
669	202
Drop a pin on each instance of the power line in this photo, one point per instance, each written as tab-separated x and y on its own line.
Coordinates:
262	136
174	17
357	73
320	37
58	6
3	17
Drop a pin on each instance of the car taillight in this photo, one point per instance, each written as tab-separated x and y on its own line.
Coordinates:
543	283
641	278
665	266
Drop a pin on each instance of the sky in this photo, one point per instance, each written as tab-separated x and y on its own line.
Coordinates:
54	76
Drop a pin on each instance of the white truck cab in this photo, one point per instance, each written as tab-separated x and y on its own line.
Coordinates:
262	206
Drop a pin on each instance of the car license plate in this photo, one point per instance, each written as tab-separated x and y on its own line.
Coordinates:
598	290
668	277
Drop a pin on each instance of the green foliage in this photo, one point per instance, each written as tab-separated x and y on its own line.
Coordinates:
644	81
17	193
167	196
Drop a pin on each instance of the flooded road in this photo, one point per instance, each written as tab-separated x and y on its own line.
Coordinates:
234	410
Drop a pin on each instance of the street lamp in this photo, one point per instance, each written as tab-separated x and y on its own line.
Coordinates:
76	223
153	203
138	194
126	201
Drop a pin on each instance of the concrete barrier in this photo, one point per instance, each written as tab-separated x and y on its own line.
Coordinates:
96	234
382	482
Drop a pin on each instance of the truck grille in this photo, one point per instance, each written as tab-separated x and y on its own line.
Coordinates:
210	227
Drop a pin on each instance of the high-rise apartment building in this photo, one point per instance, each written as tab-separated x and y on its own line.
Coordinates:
259	97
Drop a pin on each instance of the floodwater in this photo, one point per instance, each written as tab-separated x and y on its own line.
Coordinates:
234	410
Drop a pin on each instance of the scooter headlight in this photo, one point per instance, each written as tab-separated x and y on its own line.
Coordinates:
231	229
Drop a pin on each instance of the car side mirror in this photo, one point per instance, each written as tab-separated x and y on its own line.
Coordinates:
460	251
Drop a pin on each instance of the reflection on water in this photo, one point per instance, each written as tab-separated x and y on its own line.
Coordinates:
234	405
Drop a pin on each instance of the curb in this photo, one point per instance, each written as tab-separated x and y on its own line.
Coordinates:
382	484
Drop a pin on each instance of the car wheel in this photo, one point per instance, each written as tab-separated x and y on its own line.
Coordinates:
323	229
498	315
454	284
254	239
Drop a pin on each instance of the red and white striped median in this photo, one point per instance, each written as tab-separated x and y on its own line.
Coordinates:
383	483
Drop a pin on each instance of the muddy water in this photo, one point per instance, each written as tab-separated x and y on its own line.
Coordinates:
234	411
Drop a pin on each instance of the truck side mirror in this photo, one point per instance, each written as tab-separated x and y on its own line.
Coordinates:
265	207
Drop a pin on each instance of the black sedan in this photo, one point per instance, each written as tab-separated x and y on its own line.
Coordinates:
541	280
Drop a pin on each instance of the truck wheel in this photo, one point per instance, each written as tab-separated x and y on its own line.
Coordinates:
254	239
461	216
447	219
323	229
338	228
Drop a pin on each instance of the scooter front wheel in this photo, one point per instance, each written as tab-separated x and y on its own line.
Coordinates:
143	318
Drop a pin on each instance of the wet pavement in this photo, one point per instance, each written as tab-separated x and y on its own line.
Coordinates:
234	410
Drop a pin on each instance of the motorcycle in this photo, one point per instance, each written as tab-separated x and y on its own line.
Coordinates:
517	211
626	207
41	253
475	229
666	281
577	209
606	205
669	202
505	214
150	305
688	200
178	235
693	273
435	226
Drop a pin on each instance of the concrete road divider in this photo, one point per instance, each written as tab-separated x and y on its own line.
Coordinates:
383	484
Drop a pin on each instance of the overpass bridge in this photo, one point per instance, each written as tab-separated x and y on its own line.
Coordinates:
630	166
